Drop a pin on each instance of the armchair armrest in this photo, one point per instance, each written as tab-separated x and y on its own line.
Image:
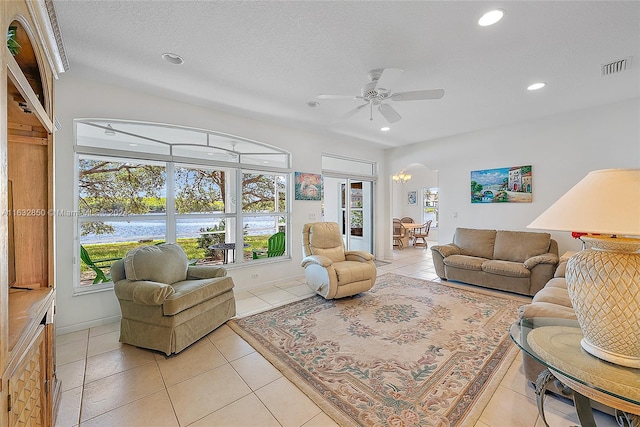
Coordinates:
361	256
548	258
195	272
316	259
144	292
447	250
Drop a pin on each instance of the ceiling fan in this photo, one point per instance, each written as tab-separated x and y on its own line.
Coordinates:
377	93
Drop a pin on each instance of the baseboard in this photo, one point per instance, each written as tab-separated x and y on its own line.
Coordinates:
61	330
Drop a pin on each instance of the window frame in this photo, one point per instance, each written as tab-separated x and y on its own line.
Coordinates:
171	217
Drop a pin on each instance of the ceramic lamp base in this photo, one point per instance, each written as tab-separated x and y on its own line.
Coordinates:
604	288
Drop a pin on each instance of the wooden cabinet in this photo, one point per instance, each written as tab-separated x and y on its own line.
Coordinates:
29	388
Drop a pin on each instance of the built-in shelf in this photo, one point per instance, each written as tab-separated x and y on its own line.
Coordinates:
27	309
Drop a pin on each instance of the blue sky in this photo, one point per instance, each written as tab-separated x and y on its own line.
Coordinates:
490	176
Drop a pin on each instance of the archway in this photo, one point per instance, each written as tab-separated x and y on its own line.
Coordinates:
416	198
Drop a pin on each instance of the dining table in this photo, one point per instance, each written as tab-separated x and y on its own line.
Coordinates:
409	226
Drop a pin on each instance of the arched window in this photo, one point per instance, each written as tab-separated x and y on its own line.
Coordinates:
219	196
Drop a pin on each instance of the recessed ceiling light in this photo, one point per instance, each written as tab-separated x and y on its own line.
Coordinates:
385	129
133	145
173	58
491	17
536	86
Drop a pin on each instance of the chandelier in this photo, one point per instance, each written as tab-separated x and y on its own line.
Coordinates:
401	178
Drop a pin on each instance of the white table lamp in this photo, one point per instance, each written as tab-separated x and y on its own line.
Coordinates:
604	281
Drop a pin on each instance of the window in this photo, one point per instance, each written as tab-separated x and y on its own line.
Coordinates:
430	208
141	184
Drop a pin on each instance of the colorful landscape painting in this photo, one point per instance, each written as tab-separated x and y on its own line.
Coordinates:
502	185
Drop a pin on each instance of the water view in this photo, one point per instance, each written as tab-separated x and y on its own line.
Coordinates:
144	230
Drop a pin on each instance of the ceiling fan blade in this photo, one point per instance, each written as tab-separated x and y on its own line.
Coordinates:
354	111
389	113
324	96
388	78
418	95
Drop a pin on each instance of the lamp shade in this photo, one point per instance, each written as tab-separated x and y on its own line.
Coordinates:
605	201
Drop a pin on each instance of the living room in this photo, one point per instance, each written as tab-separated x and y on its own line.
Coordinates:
562	147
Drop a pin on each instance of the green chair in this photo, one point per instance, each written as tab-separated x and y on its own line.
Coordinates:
276	246
97	265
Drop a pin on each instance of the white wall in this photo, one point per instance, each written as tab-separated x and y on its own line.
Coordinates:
562	149
77	98
421	177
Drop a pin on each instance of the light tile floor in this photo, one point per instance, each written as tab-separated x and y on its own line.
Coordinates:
222	381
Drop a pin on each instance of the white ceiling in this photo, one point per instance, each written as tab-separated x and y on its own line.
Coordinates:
267	59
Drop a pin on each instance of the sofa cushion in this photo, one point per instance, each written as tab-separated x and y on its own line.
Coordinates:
464	262
473	242
189	293
166	263
557	282
505	268
553	295
517	246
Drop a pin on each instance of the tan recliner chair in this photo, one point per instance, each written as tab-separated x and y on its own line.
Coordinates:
166	304
330	270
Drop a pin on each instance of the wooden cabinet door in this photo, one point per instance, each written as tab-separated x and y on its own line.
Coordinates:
27	386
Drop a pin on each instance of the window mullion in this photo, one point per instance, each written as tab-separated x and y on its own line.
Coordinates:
170	189
239	191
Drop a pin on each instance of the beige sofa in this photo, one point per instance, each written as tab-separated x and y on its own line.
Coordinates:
514	261
552	301
166	304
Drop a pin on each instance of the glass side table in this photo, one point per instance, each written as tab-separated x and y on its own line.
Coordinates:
556	344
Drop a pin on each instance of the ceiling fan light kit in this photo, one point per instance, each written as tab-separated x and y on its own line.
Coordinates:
377	92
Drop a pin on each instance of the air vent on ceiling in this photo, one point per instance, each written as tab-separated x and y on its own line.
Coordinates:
616	66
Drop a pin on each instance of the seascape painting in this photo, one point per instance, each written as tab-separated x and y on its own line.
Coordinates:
502	185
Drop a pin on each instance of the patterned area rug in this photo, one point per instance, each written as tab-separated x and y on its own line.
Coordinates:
407	353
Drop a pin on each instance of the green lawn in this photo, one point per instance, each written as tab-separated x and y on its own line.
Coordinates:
99	251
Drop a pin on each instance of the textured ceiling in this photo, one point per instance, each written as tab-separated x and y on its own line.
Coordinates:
267	59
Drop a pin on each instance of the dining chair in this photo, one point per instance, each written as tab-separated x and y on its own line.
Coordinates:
399	232
422	233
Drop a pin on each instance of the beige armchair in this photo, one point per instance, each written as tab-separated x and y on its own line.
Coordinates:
330	270
166	304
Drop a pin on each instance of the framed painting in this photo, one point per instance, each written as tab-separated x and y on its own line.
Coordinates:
412	197
308	186
502	185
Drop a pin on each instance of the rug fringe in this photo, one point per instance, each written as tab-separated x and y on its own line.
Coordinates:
490	388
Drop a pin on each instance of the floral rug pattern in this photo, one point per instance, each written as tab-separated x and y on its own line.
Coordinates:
407	353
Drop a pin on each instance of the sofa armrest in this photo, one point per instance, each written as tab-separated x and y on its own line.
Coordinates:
195	272
447	250
144	292
361	256
316	259
545	309
548	258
